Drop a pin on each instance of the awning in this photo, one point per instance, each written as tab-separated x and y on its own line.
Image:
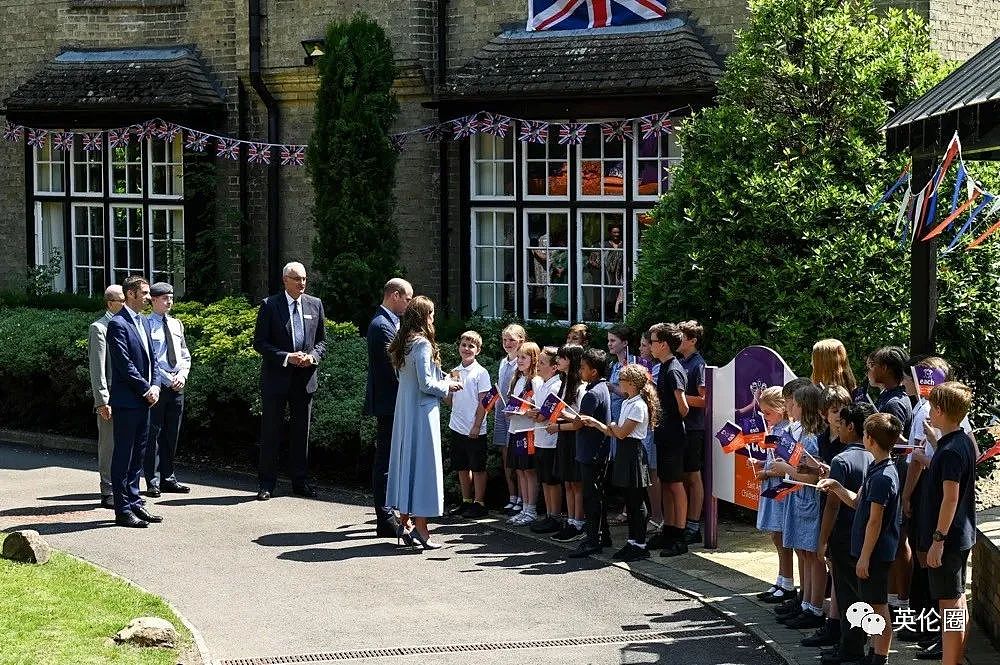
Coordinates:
108	88
654	58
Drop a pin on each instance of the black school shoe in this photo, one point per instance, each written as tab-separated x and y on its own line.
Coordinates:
475	511
806	620
933	652
631	553
789	606
780	595
692	536
825	636
567	534
547	525
794	614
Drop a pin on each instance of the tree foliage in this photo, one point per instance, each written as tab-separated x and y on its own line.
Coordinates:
353	167
767	235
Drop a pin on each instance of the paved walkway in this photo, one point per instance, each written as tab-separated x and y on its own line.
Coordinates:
294	577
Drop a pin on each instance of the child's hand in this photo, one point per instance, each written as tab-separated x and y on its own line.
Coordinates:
589	421
532	413
552	428
930	432
828	485
821	551
921	458
862	568
455	386
759	475
781	467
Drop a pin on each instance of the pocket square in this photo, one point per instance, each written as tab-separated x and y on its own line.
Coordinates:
307	316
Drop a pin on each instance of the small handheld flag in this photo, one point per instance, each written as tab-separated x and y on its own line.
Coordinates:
524	442
780	491
518	406
491	398
552	407
731	437
789	450
989	453
925	378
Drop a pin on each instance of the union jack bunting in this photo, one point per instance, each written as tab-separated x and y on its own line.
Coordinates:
465	126
144	130
655	125
196	141
167	130
259	153
228	148
433	133
36	138
63	141
118	138
534	131
294	155
572	133
577	14
12	132
495	124
93	142
397	141
617	131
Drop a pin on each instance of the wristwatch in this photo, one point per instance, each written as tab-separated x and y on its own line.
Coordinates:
938	537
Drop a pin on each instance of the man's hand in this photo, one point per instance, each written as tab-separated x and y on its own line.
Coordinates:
153	396
177	383
474	433
862	568
455	386
104	412
934	554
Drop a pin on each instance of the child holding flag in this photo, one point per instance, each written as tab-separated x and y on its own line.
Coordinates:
571	392
521	441
467	427
511	338
545	442
647	360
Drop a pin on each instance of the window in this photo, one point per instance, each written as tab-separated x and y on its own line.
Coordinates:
561	240
120	209
493	261
492	166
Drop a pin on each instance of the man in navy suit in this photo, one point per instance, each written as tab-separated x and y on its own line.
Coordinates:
133	392
290	337
380	392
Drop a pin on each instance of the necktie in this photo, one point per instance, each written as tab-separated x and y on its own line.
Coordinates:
168	339
298	339
145	343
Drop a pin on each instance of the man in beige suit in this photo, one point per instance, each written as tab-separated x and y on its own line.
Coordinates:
100	379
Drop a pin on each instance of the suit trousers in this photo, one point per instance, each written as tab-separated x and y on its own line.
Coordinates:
131	428
594	506
164	429
105	451
845	583
299	405
380	466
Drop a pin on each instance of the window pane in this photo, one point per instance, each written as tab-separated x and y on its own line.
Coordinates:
647	147
485	264
537	172
614	178
492	166
558	179
97	252
592	144
486	300
648	177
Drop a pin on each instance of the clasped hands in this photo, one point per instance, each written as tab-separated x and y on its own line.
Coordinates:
300	359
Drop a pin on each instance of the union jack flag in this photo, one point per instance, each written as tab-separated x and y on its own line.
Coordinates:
534	131
93	142
465	126
12	132
433	133
397	141
655	125
495	124
118	138
63	141
36	138
577	14
617	131
228	148
144	130
259	153
572	133
196	141
294	155
166	130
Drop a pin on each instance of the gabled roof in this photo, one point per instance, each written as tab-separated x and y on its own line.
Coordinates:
80	87
654	57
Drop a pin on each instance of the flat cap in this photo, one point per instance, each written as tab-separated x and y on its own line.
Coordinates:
160	289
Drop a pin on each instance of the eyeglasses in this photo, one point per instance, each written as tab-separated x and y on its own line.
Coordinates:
116	300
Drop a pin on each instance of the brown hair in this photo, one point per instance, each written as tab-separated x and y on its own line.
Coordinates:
772	397
788	390
807	397
528	349
953	398
934	362
639	377
414	323
884	429
831	396
582	330
473	337
133	283
692	330
667	332
552	353
515	330
830	366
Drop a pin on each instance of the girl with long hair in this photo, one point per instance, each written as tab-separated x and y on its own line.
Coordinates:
830	366
568	363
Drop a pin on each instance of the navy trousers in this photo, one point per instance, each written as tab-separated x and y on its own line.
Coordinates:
164	428
131	428
380	467
299	404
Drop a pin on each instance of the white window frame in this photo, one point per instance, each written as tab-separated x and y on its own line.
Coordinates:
474	161
36	161
529	261
76	263
579	160
579	251
110	221
88	163
475	245
547	160
126	164
41	257
663	161
176	275
177	146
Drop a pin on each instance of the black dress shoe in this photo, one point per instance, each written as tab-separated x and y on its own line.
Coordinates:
304	490
584	549
130	520
933	652
153	492
907	634
108	502
806	620
930	639
692	537
387	528
174	488
826	636
780	595
785	618
264	495
142	514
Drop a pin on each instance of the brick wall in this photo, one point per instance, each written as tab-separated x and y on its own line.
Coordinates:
960	28
985	604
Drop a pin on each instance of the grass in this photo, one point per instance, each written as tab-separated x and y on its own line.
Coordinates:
64	612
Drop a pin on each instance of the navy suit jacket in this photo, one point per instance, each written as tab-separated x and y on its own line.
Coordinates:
272	339
131	367
382	384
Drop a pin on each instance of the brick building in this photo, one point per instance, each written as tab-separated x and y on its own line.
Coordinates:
540	229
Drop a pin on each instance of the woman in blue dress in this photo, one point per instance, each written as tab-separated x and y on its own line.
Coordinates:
416	487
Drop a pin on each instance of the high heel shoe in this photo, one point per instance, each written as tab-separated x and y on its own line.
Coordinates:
425	543
403	536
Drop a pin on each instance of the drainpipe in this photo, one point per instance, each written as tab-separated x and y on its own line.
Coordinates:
244	204
443	200
273	136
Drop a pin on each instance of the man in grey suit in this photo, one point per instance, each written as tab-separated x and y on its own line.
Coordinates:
100	379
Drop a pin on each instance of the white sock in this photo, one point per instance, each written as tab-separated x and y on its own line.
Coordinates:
529	508
630	541
786	583
641	546
903	604
577	523
513	499
894	599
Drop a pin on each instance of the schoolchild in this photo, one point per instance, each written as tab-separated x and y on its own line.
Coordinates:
546	465
654	492
694	426
571	392
521	434
467	427
511	338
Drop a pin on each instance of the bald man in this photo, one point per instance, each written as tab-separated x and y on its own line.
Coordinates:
100	379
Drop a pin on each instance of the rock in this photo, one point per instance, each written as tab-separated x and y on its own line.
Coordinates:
26	547
148	632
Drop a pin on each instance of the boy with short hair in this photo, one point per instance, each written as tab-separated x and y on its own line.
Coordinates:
694	425
875	528
467	427
947	520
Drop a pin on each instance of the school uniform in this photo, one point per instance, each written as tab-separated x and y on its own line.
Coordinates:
616	398
647	443
881	486
467	453
629	470
694	421
592	457
669	435
545	443
896	402
800	530
521	433
568	467
771	512
954	460
505	373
